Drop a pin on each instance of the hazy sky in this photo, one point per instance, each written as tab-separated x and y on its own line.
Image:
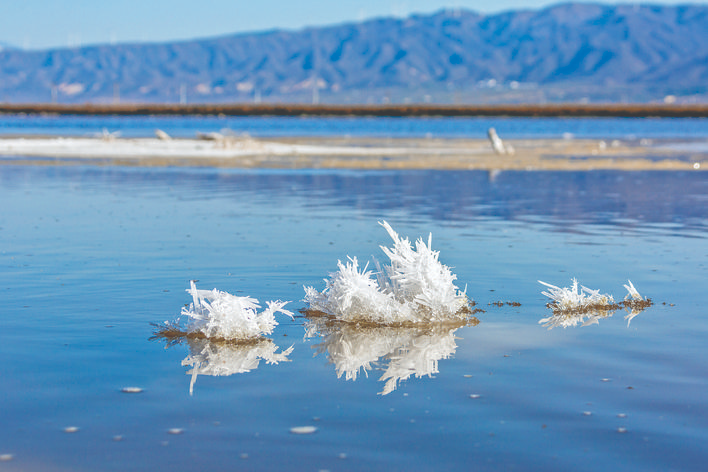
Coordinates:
39	24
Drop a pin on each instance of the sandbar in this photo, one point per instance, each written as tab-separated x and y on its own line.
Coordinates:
357	153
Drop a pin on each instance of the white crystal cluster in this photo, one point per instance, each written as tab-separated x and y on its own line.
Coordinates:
572	299
572	307
414	288
220	315
567	299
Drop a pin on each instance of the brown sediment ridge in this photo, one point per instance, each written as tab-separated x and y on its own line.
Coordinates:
172	333
330	321
355	153
412	110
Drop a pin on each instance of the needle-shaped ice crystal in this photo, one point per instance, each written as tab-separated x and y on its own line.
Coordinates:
634	303
570	299
220	315
415	288
632	292
586	306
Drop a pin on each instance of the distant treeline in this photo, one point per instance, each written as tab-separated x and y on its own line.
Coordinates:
555	110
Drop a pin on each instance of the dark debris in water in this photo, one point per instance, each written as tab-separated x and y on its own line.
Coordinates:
501	304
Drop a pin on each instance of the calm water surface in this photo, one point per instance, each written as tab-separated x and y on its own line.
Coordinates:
142	126
90	256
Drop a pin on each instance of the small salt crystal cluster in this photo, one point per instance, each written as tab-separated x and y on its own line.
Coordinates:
586	306
220	315
414	288
572	299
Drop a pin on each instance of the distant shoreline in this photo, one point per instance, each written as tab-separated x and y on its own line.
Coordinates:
413	110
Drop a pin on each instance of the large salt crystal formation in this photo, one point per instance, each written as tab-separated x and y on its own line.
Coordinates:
220	315
414	288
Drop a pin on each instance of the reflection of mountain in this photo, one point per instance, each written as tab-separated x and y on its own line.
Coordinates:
629	200
399	351
224	358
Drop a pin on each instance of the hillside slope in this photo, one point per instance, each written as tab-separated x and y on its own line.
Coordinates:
565	52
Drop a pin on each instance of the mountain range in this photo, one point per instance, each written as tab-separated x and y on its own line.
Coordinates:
575	52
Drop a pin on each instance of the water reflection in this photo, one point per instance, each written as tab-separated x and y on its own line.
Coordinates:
223	358
399	351
663	202
567	319
399	127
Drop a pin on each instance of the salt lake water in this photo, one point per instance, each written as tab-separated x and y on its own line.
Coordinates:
267	126
91	256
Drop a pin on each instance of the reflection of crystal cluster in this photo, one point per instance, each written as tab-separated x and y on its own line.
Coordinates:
415	287
220	315
400	352
574	318
222	359
585	307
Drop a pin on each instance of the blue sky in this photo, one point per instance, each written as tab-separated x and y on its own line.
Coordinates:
38	24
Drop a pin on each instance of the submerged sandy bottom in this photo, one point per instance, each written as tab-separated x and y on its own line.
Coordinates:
357	153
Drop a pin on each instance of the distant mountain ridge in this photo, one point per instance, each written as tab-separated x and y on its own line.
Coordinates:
568	52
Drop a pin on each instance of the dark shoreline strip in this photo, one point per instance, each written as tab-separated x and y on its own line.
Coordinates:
284	109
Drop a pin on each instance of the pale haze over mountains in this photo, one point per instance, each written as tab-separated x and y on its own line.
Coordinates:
565	53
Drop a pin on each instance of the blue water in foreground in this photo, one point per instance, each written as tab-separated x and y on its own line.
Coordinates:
91	256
